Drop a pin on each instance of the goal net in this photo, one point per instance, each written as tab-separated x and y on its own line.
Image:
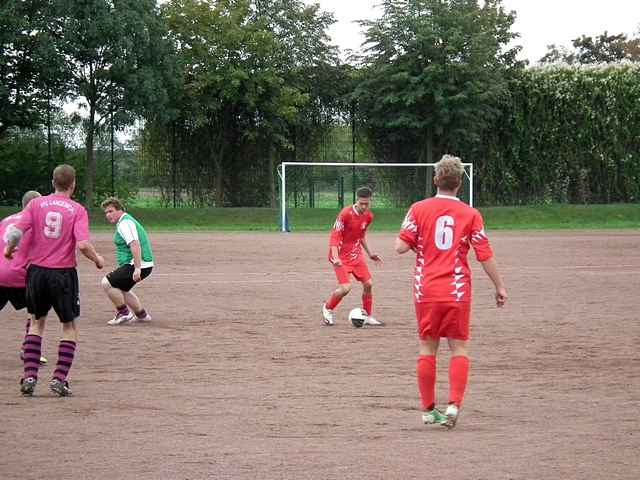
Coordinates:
333	185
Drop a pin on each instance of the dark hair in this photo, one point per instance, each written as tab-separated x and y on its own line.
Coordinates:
112	202
63	177
364	192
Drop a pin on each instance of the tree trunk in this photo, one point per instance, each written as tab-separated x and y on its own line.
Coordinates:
49	152
272	176
218	183
91	159
428	158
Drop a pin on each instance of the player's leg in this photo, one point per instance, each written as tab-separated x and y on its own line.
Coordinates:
332	302
427	316
114	285
362	274
38	304
18	298
135	305
66	353
459	363
43	360
367	296
67	306
133	302
343	289
32	353
426	376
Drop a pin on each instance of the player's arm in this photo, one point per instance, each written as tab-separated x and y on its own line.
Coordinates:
336	238
129	232
408	236
373	256
136	252
14	235
88	250
491	269
484	254
81	234
335	256
402	246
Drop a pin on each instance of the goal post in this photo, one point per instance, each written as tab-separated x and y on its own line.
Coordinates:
322	184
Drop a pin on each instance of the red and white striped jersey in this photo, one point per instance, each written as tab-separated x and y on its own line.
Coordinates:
441	230
347	234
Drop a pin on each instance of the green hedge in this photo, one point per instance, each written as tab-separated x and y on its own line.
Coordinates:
567	134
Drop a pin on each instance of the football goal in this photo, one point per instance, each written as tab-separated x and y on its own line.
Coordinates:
333	185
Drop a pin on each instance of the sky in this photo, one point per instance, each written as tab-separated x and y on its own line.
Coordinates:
539	22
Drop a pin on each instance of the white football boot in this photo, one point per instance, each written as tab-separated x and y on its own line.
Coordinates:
452	413
146	318
372	322
327	315
121	319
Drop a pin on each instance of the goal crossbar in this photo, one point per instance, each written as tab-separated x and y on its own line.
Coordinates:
282	173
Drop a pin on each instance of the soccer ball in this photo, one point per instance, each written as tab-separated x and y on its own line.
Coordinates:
357	316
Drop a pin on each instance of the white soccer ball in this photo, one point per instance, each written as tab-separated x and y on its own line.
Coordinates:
357	316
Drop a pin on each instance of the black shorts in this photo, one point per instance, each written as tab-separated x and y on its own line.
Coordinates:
14	295
53	287
122	277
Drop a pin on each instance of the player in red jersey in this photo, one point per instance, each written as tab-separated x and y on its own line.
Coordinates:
346	243
13	273
441	230
58	225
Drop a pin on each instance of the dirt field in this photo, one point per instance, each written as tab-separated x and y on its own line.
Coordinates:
236	378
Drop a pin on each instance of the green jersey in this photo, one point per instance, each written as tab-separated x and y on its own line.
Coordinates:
129	229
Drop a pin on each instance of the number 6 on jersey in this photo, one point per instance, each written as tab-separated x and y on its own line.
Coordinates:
444	232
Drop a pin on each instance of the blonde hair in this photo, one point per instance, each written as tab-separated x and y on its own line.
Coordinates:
448	172
28	196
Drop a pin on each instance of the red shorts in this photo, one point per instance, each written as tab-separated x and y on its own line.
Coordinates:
443	319
360	271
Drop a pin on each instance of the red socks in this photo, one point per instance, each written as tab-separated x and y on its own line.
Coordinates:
458	375
333	302
426	373
367	303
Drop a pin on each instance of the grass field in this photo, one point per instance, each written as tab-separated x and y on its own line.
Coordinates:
546	217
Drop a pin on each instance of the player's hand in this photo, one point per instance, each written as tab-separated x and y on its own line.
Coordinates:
376	258
501	297
336	262
137	275
8	252
99	262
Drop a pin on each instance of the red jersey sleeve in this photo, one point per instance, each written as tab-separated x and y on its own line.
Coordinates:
338	230
409	229
479	239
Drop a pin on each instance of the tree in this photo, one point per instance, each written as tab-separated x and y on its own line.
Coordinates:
434	74
118	60
30	71
604	48
249	71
